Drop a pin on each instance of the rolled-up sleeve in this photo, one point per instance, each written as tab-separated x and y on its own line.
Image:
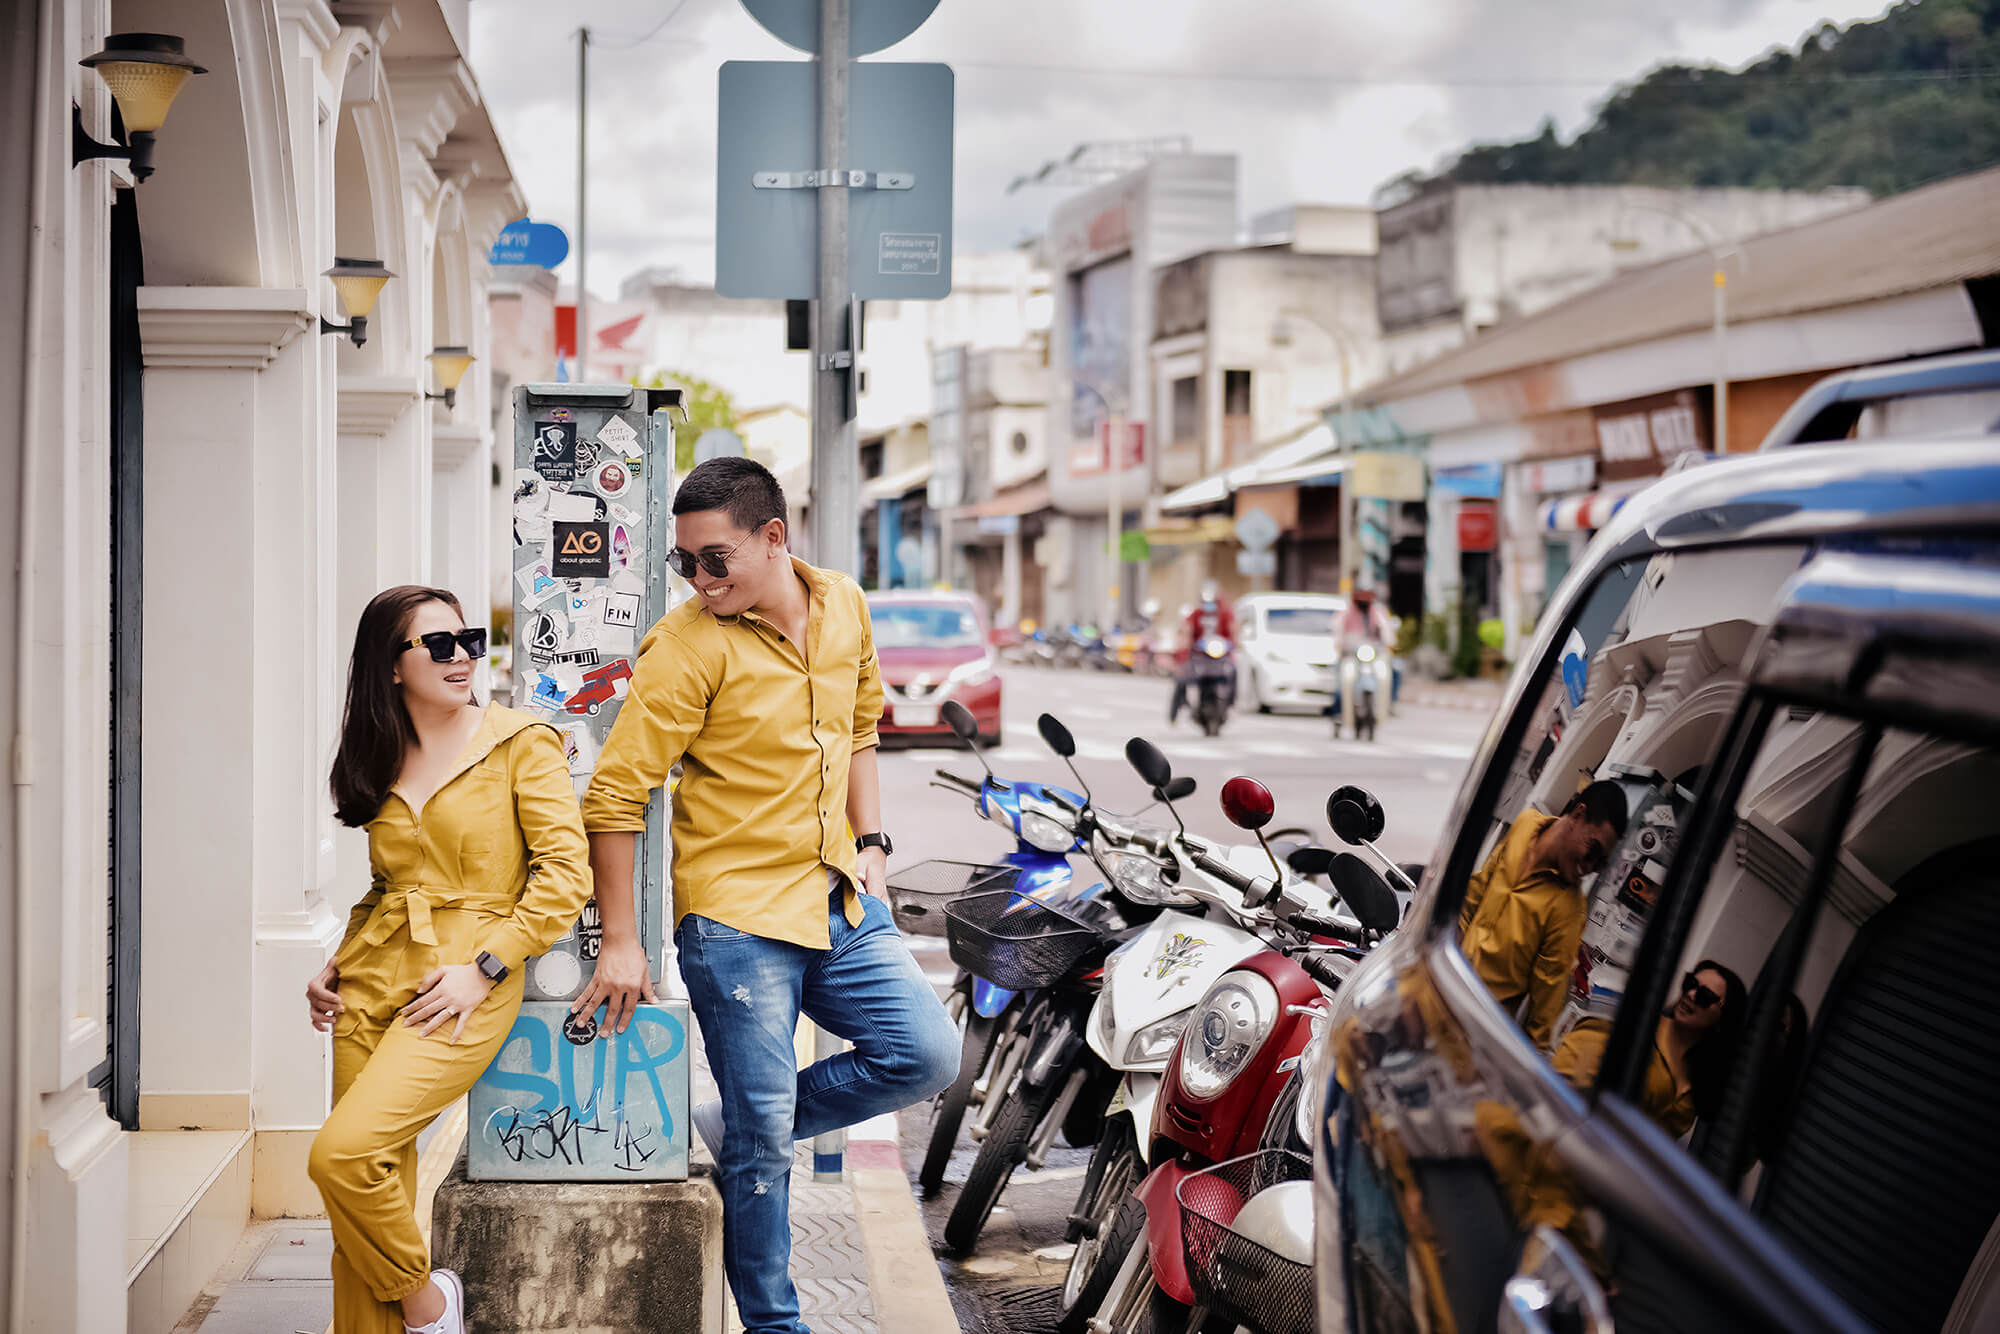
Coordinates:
558	854
867	685
663	712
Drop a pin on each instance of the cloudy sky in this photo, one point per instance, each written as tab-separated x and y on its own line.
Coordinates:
1321	100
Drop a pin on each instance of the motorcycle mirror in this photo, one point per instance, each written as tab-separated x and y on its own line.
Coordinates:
1310	860
1355	814
1247	803
1180	789
1145	757
1056	735
961	722
966	728
1362	890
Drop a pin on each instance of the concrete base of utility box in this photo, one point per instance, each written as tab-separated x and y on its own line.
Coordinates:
549	1257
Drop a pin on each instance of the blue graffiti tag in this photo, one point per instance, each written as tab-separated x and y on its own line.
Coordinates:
553	1112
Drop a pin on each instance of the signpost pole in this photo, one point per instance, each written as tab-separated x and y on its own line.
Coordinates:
836	535
1114	520
835	486
580	373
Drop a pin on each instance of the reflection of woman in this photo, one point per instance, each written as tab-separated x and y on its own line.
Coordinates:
1693	1045
478	859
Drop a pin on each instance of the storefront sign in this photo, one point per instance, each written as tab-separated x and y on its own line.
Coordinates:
1087	456
1386	476
1475	481
1640	437
1478	526
1555	476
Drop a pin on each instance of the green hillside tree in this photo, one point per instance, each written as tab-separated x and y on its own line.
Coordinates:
709	407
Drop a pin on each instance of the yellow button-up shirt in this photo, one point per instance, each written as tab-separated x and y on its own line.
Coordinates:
764	736
496	860
1521	931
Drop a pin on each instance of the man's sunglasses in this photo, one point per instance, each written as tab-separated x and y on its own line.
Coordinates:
685	563
444	644
1703	997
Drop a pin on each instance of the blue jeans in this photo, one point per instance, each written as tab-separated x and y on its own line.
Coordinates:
747	993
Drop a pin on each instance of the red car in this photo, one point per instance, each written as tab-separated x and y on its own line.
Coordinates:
934	647
600	687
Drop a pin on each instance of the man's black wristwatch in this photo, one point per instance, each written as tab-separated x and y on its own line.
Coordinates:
875	841
491	968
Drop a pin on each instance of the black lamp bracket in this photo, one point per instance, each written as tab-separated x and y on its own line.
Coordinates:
356	328
82	148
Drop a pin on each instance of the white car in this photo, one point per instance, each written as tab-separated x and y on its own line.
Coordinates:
1284	645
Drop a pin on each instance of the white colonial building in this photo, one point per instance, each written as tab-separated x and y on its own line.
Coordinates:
202	488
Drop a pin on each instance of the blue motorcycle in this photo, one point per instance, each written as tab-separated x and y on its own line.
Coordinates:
1048	824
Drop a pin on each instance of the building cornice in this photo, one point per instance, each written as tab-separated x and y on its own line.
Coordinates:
218	328
371	404
430	95
452	443
314	17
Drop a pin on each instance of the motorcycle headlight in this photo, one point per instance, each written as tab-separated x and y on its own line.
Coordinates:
999	815
1215	648
1307	1111
1225	1032
1043	827
975	673
1152	1044
1139	877
1366	653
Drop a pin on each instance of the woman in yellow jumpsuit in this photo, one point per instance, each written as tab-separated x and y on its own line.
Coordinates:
478	861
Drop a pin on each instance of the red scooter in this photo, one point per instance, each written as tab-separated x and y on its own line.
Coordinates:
1233	1062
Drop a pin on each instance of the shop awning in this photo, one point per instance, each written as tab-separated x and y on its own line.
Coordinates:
896	485
1588	511
1192	532
1308	457
1025	499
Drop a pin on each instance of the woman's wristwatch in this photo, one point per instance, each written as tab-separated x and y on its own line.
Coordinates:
881	841
491	968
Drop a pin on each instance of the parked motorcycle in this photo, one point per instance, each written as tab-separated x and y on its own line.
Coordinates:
1187	1243
1046	822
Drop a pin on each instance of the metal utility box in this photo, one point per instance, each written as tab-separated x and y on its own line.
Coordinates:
593	489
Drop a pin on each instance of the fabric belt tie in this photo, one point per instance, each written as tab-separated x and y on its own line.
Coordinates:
414	904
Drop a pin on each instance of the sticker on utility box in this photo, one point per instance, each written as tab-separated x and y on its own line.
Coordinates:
916	254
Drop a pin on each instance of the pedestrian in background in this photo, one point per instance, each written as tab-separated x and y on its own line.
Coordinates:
477	860
765	688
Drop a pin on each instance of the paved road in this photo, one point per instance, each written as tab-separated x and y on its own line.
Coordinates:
1011	1282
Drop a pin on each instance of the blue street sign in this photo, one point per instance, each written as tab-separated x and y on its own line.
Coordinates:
871	24
541	244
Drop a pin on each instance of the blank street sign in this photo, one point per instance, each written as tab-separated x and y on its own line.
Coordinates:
899	126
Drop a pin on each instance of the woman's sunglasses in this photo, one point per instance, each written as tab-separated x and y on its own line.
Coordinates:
444	644
685	563
1703	997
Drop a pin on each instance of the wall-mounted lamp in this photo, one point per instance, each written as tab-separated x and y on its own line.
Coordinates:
144	71
450	363
358	282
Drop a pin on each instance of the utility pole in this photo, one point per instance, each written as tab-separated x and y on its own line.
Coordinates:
1114	521
580	373
836	541
1721	441
836	530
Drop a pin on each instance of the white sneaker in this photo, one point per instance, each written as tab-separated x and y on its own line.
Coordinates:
707	1120
452	1321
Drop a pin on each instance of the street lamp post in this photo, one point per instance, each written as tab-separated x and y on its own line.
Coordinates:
1718	251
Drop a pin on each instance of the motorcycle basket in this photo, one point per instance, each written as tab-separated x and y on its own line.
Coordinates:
1014	941
918	894
1233	1276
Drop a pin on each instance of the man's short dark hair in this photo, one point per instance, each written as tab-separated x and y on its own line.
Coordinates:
744	487
1603	803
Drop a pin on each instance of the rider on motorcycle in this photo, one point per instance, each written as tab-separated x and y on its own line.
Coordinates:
1210	619
1363	621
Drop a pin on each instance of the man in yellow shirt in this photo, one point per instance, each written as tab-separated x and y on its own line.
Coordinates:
1523	916
765	689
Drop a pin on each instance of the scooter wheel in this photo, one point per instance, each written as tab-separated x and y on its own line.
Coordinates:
976	1050
999	1154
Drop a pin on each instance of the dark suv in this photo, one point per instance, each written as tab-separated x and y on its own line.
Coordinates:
1763	974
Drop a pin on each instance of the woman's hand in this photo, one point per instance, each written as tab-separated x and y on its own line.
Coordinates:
323	1002
455	990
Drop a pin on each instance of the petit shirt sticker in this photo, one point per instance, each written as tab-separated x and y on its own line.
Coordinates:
617	434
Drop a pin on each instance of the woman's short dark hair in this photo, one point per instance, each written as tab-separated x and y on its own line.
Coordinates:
744	487
1714	1052
375	728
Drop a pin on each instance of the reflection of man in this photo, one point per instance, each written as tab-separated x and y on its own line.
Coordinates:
1523	916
